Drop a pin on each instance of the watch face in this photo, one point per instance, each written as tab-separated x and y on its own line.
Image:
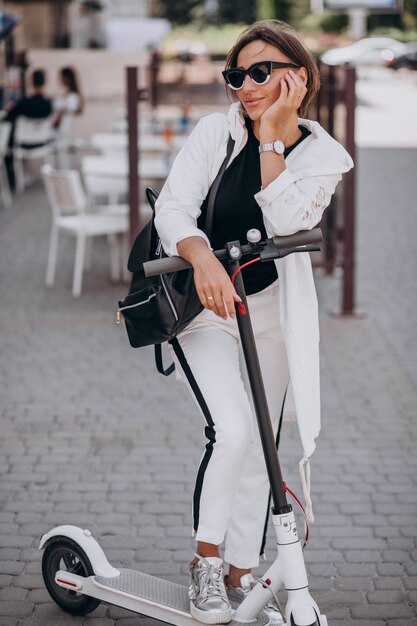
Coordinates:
279	147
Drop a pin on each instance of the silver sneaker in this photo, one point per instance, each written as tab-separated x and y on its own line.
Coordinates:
209	603
238	594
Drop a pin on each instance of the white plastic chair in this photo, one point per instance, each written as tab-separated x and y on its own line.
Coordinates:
31	132
5	130
69	205
104	189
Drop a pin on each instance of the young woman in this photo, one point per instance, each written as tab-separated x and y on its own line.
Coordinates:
70	101
280	178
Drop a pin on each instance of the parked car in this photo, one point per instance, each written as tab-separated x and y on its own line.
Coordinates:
368	51
408	58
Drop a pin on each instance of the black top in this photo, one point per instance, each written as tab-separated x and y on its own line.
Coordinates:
36	107
236	210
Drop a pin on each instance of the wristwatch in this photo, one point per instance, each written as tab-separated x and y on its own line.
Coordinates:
276	146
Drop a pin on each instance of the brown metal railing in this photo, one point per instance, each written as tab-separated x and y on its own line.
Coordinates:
334	108
134	95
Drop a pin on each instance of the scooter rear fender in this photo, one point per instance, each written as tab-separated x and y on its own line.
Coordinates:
86	541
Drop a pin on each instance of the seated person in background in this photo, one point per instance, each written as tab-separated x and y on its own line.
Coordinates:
70	101
36	106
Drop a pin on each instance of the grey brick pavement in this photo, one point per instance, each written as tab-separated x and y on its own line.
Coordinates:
91	435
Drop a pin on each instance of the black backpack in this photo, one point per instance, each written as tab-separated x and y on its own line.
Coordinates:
156	308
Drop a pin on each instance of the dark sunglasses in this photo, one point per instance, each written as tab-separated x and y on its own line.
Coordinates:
260	73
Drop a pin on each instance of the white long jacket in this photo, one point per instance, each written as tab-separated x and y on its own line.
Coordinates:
294	201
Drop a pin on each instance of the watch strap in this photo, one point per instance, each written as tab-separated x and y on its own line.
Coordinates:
270	147
266	147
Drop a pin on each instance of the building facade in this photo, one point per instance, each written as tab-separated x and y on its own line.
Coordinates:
69	23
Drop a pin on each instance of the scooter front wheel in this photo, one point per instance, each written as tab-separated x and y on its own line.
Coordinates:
315	623
61	553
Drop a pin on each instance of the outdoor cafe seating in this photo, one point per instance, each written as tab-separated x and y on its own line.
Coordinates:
108	175
156	144
33	141
70	215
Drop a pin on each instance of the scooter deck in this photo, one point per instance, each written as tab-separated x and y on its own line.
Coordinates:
149	588
157	591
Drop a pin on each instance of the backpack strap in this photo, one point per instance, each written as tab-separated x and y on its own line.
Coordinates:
159	362
215	187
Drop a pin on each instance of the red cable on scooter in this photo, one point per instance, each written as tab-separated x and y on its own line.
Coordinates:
288	490
241	306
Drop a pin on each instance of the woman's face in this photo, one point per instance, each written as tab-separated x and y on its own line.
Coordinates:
256	99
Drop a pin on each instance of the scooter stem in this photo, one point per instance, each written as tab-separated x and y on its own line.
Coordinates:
258	394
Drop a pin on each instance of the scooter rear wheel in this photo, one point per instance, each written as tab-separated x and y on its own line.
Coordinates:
61	553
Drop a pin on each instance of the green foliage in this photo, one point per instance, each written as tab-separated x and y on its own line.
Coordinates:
241	11
275	9
283	9
410	9
232	11
218	39
235	14
265	10
326	22
380	20
396	33
177	12
300	10
409	15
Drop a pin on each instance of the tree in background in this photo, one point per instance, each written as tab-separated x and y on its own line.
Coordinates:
402	21
274	9
265	9
232	11
177	12
410	14
292	11
229	11
283	9
299	10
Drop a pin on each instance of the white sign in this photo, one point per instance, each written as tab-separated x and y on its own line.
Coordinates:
390	5
131	35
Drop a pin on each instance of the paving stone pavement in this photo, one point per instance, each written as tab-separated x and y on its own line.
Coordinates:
91	435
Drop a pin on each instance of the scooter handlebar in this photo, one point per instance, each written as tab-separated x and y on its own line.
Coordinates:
302	238
165	266
290	242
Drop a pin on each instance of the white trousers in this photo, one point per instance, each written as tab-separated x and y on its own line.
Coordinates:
232	490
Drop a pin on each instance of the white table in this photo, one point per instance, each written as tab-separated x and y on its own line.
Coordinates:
118	142
107	176
117	167
149	126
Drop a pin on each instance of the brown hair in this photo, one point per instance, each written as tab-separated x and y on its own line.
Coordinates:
281	36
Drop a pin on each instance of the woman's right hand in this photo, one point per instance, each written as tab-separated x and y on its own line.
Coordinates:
213	284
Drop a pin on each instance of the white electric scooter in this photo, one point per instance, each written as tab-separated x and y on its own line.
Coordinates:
75	569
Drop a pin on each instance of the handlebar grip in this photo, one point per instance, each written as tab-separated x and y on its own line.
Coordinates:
302	238
165	266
